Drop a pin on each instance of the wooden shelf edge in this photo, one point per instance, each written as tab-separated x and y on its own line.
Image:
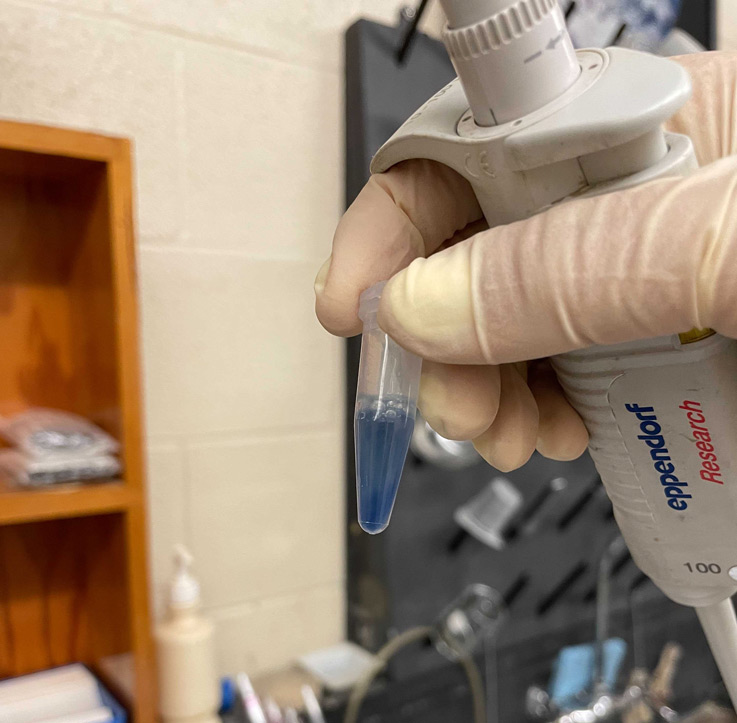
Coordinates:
60	141
64	501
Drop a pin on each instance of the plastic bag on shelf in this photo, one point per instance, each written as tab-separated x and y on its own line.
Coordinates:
45	433
23	470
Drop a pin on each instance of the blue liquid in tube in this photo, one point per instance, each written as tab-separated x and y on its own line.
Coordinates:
386	403
383	431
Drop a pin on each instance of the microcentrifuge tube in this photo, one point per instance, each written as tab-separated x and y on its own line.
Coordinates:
386	404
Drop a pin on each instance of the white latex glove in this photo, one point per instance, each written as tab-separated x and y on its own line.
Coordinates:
658	259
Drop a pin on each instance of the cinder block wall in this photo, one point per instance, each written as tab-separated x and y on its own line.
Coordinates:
235	110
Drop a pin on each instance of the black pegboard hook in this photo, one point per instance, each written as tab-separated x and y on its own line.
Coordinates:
410	17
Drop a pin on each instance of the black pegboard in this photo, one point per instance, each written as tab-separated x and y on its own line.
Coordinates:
440	694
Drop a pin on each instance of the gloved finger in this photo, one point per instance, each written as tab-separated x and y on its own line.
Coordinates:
649	261
465	233
708	118
459	402
400	215
561	433
510	440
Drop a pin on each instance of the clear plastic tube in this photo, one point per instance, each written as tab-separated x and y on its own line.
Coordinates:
386	404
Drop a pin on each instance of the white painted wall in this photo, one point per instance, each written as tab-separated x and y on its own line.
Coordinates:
727	24
235	110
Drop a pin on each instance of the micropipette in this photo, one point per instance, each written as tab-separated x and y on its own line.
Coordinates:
531	123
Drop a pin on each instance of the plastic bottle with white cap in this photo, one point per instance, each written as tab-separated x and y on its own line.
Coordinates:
188	683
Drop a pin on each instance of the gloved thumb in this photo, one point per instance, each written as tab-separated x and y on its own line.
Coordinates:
654	260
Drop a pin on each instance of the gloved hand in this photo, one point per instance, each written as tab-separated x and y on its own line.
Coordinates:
654	260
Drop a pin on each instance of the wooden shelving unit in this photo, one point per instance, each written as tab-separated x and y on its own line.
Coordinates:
73	572
63	501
